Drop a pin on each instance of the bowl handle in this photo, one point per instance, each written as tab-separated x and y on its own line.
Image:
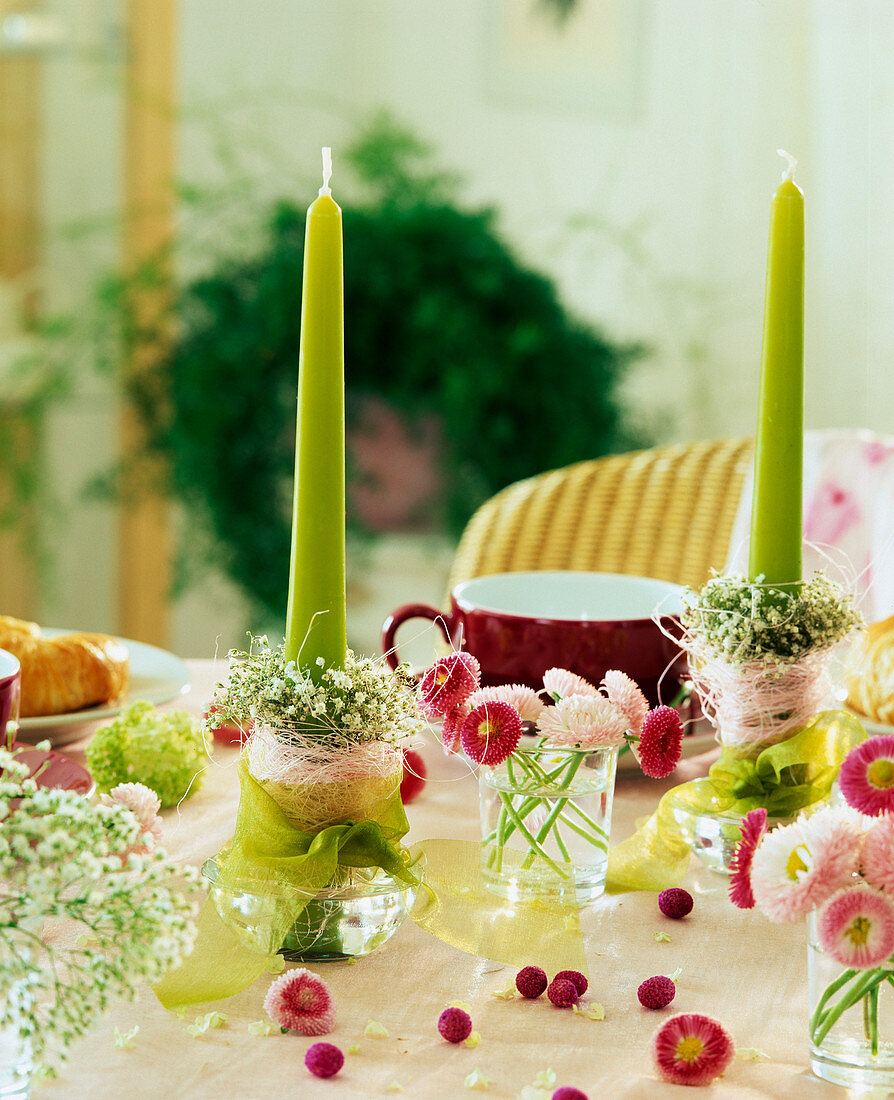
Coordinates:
443	620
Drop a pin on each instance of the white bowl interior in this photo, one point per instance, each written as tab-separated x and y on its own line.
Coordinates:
591	597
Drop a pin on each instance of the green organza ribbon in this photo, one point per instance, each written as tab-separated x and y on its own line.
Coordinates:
270	856
783	778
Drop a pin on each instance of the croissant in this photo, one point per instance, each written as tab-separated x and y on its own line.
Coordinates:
65	673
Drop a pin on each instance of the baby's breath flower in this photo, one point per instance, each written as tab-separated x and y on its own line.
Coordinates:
362	702
63	858
740	620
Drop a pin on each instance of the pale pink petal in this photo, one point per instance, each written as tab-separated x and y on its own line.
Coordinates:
525	700
559	683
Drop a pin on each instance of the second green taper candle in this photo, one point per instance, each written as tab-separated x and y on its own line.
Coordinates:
315	618
775	551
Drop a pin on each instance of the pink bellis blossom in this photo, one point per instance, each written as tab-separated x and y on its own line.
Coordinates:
491	733
691	1049
625	693
299	1000
586	721
449	682
877	856
754	825
560	683
795	868
144	804
856	927
866	777
525	700
661	742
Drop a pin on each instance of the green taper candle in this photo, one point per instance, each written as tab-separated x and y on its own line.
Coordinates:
315	618
775	551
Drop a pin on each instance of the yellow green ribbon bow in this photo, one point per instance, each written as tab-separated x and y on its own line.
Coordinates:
783	778
271	857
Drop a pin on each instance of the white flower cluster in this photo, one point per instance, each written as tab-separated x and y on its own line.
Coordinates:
66	859
740	620
362	702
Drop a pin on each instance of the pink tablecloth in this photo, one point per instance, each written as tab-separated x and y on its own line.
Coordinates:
734	965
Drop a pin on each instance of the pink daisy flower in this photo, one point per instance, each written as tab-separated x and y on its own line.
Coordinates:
144	804
451	730
299	1000
588	721
525	700
867	776
754	825
625	693
449	681
660	742
491	733
691	1049
797	867
856	927
877	856
559	683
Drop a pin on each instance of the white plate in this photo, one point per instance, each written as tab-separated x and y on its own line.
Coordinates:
155	675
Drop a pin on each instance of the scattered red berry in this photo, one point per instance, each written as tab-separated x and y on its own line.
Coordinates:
577	979
414	776
675	903
657	992
324	1059
562	993
531	982
455	1025
568	1092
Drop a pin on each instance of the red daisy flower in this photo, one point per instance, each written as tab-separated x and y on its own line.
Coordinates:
453	726
754	825
491	733
691	1049
449	682
867	776
661	742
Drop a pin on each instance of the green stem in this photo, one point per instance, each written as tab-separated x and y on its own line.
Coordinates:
870	1018
589	820
832	988
869	980
560	844
529	836
596	841
545	828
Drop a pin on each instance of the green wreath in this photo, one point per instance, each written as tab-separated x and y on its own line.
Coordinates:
440	319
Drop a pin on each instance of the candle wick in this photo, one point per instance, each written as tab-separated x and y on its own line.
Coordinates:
789	173
327	170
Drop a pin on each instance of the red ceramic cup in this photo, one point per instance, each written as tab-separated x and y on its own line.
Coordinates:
10	689
518	625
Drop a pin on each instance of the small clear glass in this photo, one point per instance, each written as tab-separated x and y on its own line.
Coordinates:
545	822
853	1047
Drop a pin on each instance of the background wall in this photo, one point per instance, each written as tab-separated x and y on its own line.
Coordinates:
630	152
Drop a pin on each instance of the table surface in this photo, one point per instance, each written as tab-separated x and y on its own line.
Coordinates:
734	965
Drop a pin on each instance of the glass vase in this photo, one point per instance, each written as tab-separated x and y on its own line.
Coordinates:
545	821
851	1020
352	916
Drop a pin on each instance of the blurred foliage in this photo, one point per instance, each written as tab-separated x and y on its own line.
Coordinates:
441	318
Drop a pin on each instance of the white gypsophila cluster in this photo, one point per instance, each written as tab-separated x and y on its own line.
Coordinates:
363	701
740	620
67	860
